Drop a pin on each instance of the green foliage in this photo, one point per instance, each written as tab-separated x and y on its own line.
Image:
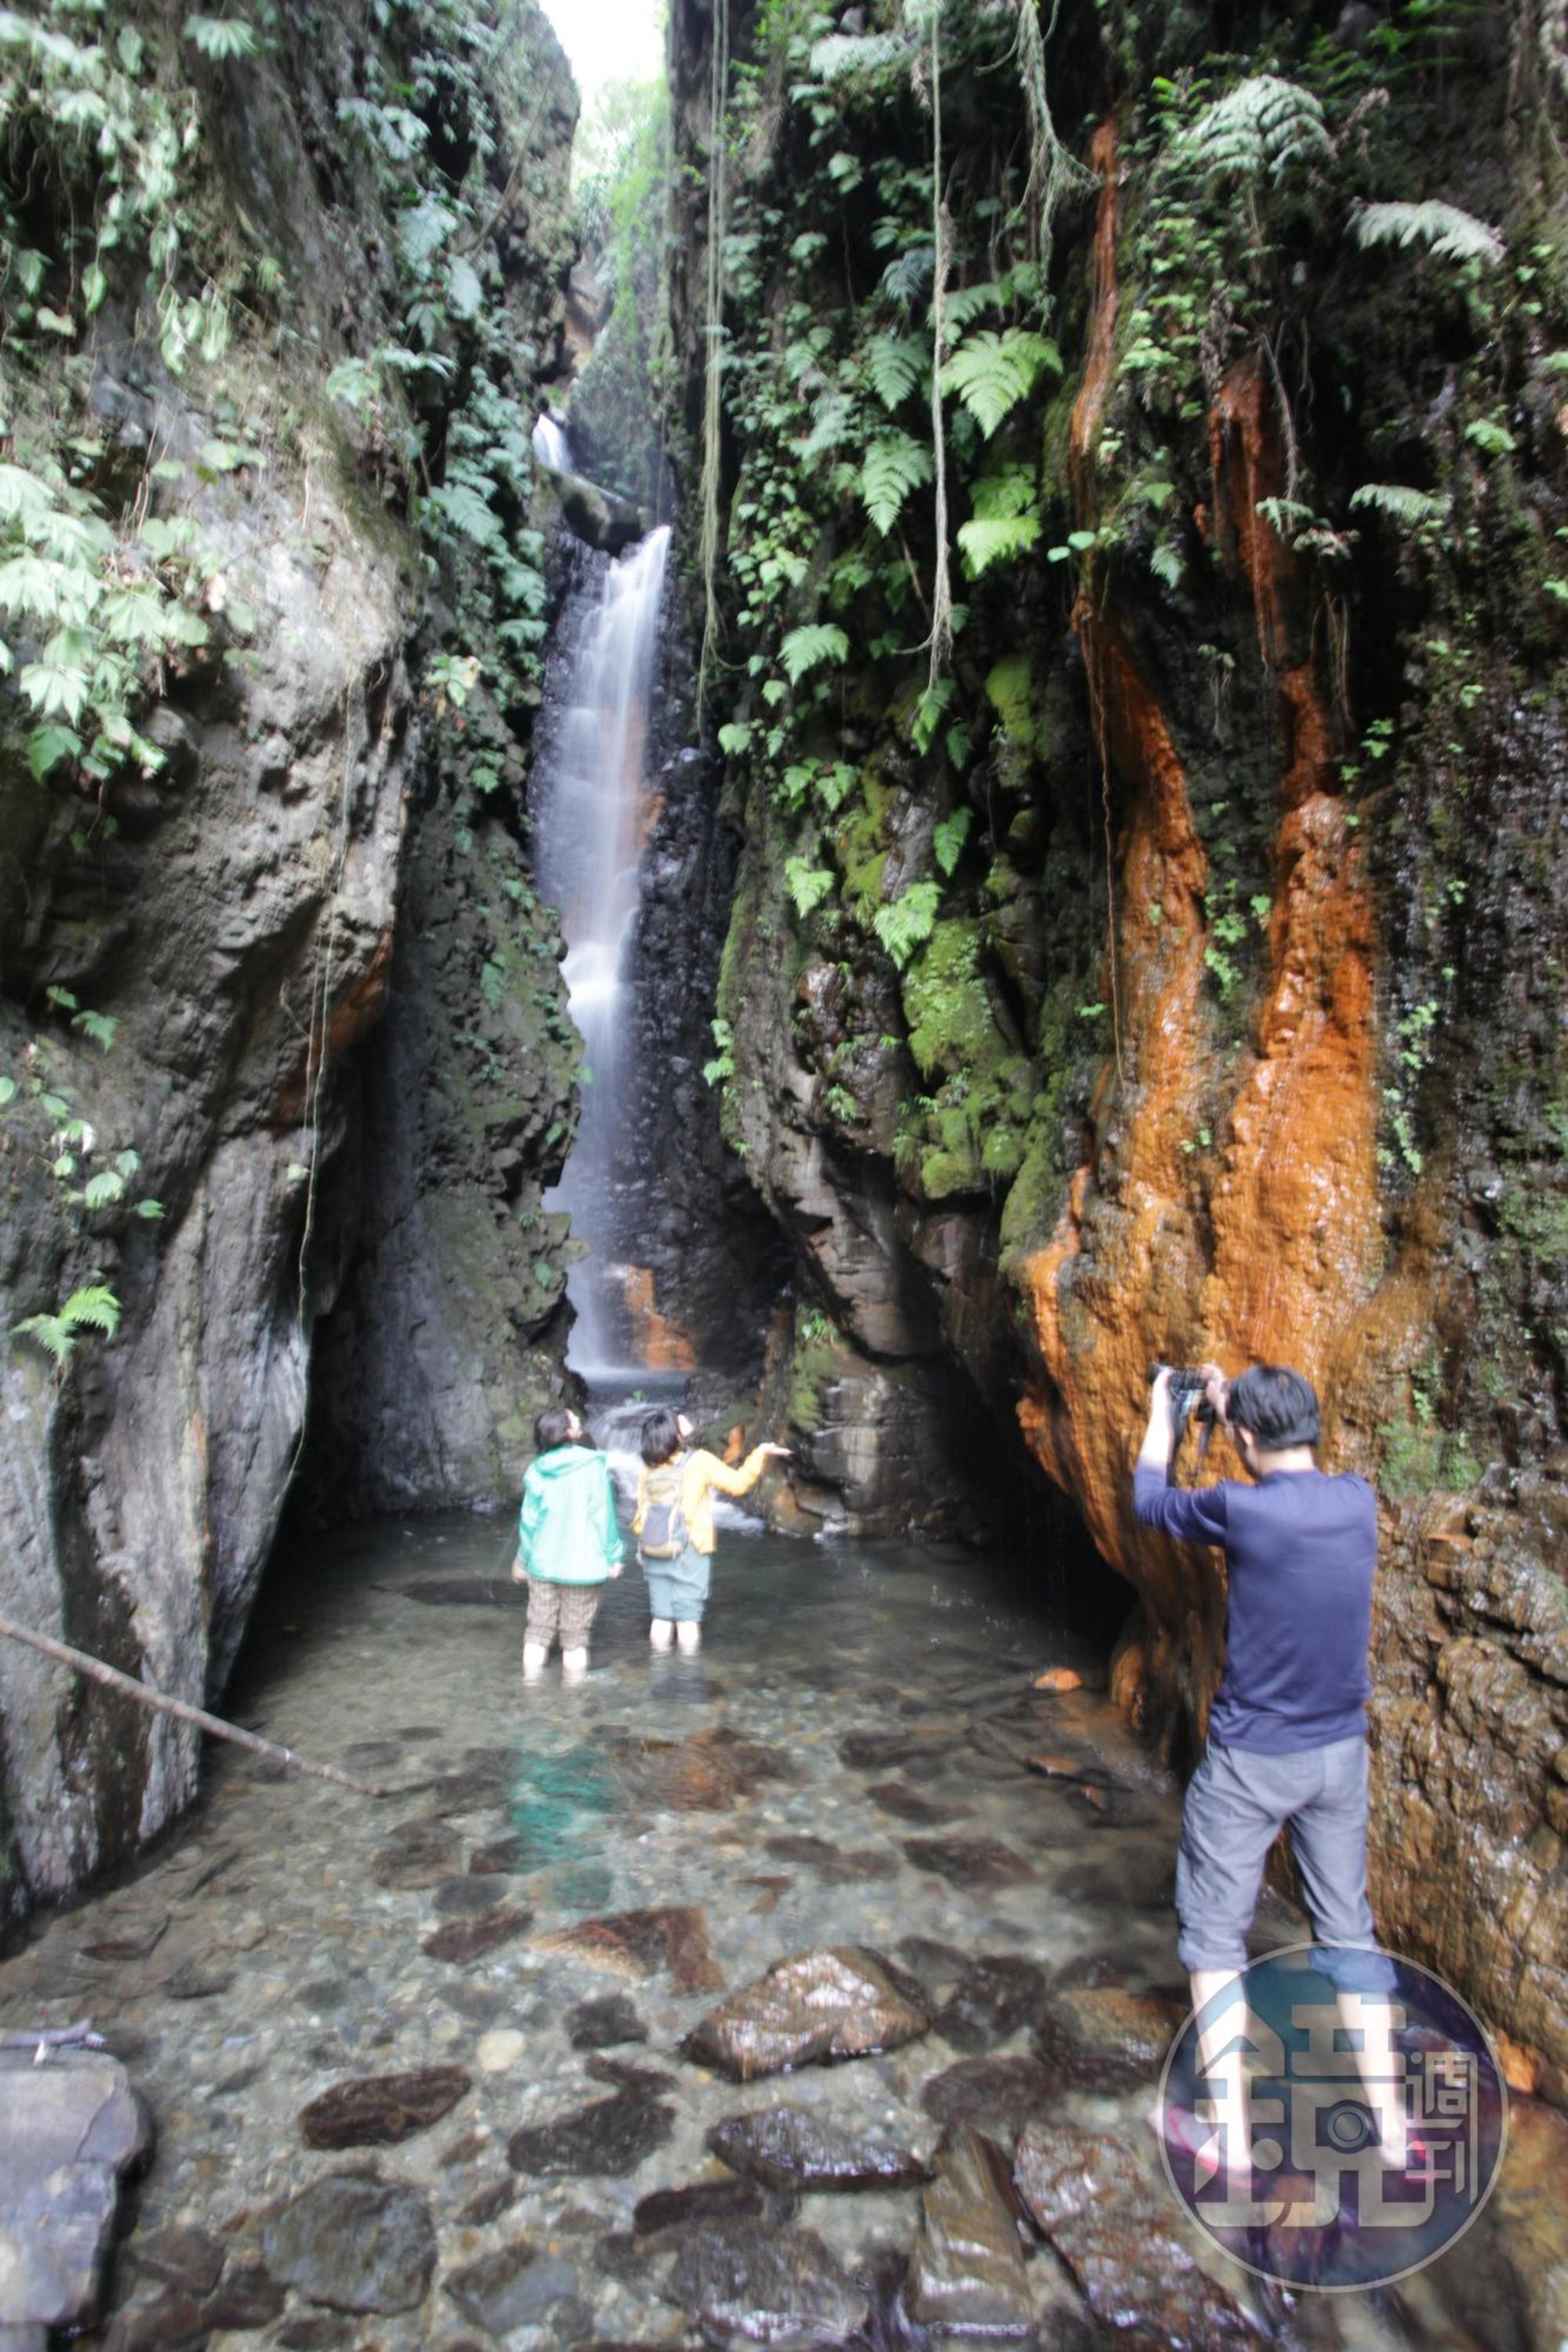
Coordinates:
908	921
1448	233
1412	509
1259	128
221	38
894	466
810	646
894	365
988	541
807	886
93	1309
722	1065
993	372
948	838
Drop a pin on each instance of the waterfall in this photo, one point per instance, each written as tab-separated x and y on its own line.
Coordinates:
550	446
592	811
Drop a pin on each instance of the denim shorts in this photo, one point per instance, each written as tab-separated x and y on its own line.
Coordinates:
677	1589
1237	1802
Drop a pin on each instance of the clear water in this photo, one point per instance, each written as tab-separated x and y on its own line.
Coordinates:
393	1650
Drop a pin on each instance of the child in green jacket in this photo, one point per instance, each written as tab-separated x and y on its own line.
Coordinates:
567	1543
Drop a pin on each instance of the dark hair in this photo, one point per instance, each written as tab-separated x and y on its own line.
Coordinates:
553	1428
660	1437
1277	1404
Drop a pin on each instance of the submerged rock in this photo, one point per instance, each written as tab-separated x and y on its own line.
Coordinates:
418	1855
830	1862
506	2289
707	1771
73	2127
604	2024
974	1865
1102	2039
466	1939
1001	1992
817	2007
354	2244
1001	2093
793	2147
735	2280
607	2138
379	2110
188	2257
908	1804
875	1751
248	2297
1107	2211
968	2271
637	1944
659	2218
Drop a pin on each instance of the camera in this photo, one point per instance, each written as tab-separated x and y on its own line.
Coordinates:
1188	1394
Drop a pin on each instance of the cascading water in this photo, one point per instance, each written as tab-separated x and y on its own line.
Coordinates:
591	810
550	446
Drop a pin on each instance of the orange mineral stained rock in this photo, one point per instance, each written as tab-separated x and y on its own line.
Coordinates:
1058	1678
1271	1247
656	1343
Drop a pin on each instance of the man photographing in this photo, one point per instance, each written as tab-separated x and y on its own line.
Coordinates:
1287	1741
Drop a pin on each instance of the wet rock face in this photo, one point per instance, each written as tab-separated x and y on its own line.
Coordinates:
968	2270
820	2007
73	2129
1110	2214
354	2244
792	2147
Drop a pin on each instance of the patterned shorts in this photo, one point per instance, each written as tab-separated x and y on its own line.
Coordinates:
568	1610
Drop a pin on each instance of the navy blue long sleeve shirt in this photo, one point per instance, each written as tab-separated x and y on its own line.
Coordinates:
1301	1550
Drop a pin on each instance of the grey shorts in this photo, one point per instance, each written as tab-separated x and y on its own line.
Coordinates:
677	1589
1237	1802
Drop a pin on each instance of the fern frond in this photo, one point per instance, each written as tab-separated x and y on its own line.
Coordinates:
807	885
1008	491
834	421
1166	565
1400	503
1442	229
1264	124
49	1332
893	364
809	647
996	539
969	302
909	922
993	373
905	276
96	1307
838	55
895	465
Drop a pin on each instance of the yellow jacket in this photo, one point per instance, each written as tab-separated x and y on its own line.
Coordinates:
701	1471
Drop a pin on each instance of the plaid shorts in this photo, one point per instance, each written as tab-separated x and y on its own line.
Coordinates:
568	1610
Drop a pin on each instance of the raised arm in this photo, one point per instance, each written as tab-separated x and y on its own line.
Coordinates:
742	1480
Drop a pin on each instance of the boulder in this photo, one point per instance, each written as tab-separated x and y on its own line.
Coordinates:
817	2006
968	2272
69	2131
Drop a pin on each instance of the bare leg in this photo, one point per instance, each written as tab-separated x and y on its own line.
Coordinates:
534	1654
573	1665
1222	2058
660	1632
689	1633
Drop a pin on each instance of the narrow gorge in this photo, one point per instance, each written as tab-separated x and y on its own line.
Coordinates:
889	755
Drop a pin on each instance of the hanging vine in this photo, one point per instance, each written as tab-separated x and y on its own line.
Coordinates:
942	584
713	336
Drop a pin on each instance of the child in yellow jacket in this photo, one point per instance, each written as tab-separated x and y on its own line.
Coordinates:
674	1521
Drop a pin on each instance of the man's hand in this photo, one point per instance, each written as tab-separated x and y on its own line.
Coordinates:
519	1573
1216	1389
1159	1437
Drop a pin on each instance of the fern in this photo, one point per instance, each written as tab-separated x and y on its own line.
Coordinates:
893	364
993	373
735	739
1166	566
996	539
838	55
1263	125
904	278
969	303
807	885
805	649
1442	229
909	922
221	38
1010	491
834	421
94	1308
894	466
947	841
1400	503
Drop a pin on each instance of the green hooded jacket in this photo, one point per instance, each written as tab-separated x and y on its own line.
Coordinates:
567	1532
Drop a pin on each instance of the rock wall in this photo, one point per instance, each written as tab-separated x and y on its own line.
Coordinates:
1168	969
288	434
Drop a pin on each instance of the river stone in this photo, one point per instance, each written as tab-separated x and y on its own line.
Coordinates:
467	1939
418	1855
636	1943
604	2024
463	1898
766	2286
1001	1992
250	2297
794	2147
505	2289
817	2007
1508	2278
974	1865
1107	2211
908	1804
606	2139
490	2204
130	1937
315	2331
73	2127
187	2257
830	1863
1103	2038
968	2269
379	2110
876	1751
1002	2094
659	2218
170	2323
353	2243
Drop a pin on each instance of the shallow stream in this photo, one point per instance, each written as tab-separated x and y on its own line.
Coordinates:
844	1764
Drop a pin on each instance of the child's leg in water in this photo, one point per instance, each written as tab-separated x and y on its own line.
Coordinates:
689	1633
690	1579
660	1633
